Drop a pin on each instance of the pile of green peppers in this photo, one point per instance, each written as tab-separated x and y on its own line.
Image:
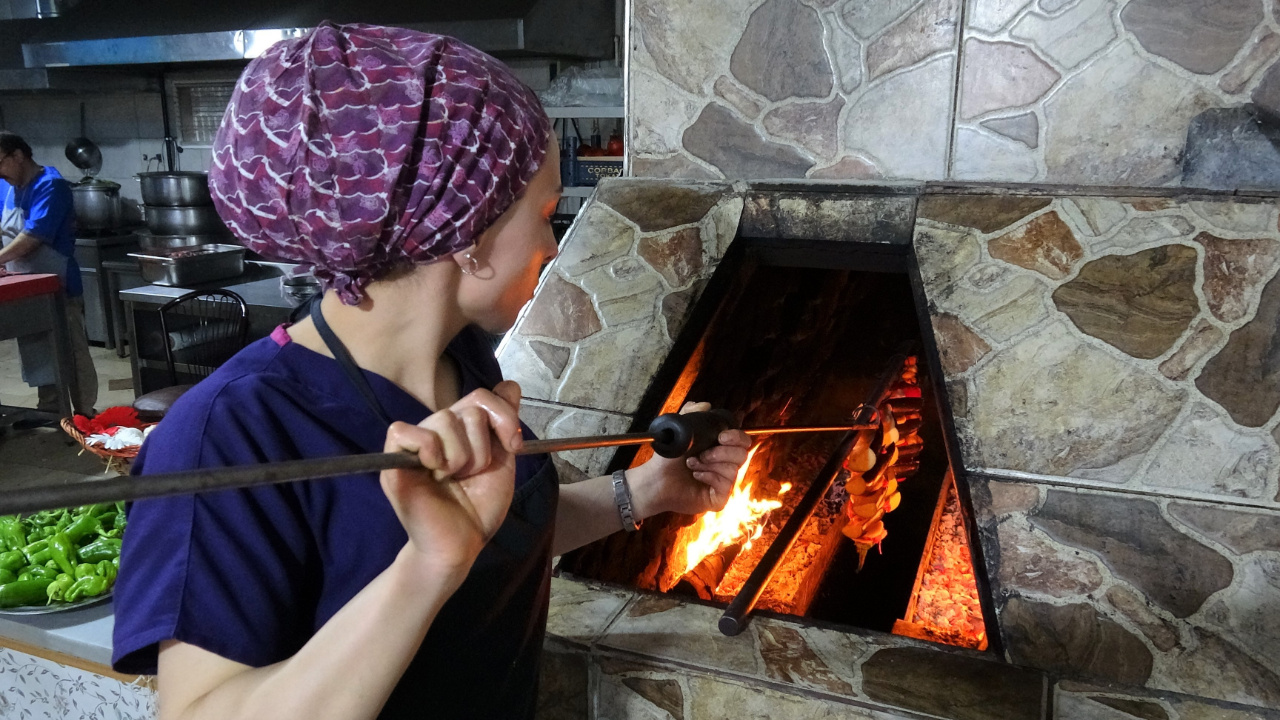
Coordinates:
59	556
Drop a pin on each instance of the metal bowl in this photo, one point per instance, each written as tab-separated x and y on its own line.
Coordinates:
175	189
58	607
179	220
151	242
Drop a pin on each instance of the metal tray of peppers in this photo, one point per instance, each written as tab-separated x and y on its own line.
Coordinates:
59	560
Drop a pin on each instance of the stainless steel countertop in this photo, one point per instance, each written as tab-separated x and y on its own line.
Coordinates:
84	633
107	240
257	293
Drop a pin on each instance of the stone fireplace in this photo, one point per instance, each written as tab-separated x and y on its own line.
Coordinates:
1110	363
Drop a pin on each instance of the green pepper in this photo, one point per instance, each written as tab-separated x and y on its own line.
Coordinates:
41	557
33	548
26	575
13	560
81	527
107	570
95	510
85	570
57	589
64	553
116	561
90	586
40	571
43	517
12	534
7	576
100	549
47	531
23	592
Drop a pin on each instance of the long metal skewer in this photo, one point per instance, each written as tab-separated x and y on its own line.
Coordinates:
128	487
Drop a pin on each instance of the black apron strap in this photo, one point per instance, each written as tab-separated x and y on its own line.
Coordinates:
346	362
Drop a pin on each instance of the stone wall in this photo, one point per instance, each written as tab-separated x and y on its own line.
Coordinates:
1112	364
1096	92
1127	342
1118	357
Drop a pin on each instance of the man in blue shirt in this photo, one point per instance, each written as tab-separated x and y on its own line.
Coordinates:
37	226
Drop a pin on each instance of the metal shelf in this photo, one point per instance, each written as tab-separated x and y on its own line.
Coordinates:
579	191
586	112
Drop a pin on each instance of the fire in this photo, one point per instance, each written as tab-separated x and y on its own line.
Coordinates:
742	517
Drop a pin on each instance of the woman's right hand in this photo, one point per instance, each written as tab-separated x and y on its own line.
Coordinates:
453	506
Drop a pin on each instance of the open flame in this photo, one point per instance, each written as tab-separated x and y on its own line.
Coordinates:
741	520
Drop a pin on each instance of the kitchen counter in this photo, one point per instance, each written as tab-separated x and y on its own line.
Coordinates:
83	634
265	307
108	241
58	665
257	293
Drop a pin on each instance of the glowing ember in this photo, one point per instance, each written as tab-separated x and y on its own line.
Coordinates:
947	606
742	518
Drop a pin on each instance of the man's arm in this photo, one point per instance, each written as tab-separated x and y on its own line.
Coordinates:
21	246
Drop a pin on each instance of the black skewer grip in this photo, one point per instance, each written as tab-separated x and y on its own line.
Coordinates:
689	434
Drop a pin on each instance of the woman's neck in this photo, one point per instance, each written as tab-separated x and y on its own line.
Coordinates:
399	331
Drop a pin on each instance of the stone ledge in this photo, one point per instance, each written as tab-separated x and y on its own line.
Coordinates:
953	187
823	663
837	217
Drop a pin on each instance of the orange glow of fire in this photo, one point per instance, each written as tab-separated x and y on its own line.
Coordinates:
742	517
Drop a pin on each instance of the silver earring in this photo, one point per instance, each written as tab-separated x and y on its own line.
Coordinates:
472	264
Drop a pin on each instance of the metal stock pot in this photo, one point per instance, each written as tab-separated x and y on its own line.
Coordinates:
97	204
193	220
175	189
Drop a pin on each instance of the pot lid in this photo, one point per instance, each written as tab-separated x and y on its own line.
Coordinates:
88	182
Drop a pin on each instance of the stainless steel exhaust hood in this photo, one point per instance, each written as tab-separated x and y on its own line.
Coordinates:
130	32
34	9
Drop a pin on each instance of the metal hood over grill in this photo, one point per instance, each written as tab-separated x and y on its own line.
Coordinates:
129	32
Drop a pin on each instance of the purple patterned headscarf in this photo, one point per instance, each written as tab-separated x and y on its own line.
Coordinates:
358	148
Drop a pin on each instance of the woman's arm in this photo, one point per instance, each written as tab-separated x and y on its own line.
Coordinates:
349	668
587	511
346	670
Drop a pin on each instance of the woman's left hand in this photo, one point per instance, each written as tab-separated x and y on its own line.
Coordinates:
691	485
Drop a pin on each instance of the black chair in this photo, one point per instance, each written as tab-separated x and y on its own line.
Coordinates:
199	331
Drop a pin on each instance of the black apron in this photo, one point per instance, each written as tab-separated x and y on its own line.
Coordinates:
480	658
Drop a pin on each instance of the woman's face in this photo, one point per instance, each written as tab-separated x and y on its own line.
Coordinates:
511	253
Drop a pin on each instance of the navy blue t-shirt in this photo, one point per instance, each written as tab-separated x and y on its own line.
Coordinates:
252	574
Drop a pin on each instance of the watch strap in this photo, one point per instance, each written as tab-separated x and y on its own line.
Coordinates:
622	496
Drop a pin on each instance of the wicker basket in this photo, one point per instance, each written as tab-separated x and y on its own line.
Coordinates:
117	460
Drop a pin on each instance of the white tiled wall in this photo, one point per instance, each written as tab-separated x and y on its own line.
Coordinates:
124	126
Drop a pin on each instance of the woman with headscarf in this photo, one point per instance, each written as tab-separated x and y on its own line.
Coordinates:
417	178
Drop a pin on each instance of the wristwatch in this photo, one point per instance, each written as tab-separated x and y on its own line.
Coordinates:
622	496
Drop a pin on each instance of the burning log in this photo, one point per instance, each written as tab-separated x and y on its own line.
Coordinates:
735	616
703	579
739	523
